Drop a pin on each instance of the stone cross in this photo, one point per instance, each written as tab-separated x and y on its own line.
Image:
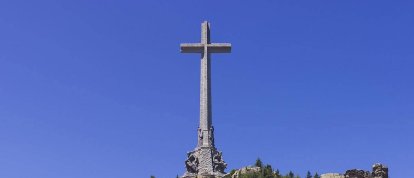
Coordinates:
205	159
205	48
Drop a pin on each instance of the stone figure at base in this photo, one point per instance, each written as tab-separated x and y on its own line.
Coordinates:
219	164
191	164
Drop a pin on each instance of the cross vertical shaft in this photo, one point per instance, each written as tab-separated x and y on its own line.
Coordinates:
205	81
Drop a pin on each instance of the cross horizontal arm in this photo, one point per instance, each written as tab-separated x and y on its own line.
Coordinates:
192	48
219	48
211	48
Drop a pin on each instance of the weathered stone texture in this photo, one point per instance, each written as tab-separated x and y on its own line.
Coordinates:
378	171
357	173
245	170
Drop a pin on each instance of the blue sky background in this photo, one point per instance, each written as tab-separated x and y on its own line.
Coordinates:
94	89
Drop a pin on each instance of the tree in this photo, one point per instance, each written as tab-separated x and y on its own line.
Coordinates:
316	175
152	177
308	175
291	175
267	171
277	174
258	163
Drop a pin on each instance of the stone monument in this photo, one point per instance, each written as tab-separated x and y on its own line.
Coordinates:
205	160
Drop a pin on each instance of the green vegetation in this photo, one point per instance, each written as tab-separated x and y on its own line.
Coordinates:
308	175
266	171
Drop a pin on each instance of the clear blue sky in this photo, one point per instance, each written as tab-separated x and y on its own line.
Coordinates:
98	89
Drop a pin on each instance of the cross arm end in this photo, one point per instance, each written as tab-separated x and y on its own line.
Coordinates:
219	47
191	47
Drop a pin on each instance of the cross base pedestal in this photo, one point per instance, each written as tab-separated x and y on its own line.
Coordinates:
203	176
205	162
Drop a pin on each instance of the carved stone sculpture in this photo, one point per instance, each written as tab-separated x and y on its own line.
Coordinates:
191	164
200	137
379	171
218	163
211	136
356	173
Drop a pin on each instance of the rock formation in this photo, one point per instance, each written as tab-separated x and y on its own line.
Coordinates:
378	171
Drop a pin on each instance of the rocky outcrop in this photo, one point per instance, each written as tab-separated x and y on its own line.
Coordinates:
245	170
378	171
332	175
357	173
